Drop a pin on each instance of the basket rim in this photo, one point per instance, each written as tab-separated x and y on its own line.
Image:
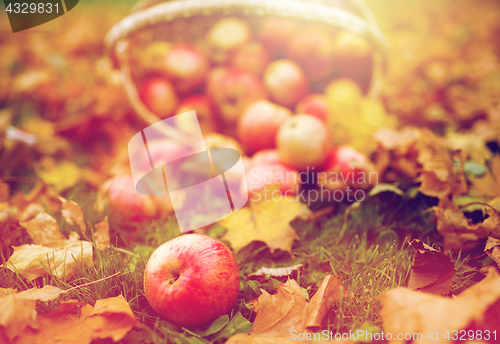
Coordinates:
293	9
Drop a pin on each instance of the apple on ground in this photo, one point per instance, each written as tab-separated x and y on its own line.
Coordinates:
353	58
274	34
262	173
205	111
161	151
225	36
251	57
314	104
285	82
216	140
186	66
124	202
192	280
351	169
312	47
303	142
159	96
232	91
266	157
258	125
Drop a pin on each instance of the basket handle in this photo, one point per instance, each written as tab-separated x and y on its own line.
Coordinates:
146	115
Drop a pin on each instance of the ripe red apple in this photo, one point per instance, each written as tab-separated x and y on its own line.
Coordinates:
186	66
303	142
251	57
353	58
216	140
266	157
314	104
124	202
162	151
261	174
346	167
225	36
205	111
312	47
233	91
159	96
274	34
192	280
259	123
286	82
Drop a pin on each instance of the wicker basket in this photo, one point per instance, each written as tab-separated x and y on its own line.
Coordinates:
188	20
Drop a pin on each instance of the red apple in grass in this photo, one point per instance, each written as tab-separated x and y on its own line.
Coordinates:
225	36
259	123
158	94
123	201
261	174
186	66
285	82
216	140
192	280
205	111
346	167
232	91
266	157
312	47
251	57
303	142
314	104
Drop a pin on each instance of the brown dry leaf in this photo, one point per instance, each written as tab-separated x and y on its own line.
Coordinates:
489	184
18	311
458	232
393	139
73	214
81	324
62	258
431	271
266	220
408	311
492	249
260	275
438	178
329	292
397	150
101	234
43	229
470	143
7	291
288	310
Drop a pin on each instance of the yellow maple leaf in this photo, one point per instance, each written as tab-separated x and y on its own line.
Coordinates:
61	175
63	258
489	184
267	219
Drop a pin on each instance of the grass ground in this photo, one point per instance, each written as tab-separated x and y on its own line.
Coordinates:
370	258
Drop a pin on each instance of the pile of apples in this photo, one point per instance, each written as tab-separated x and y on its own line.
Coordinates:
261	93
